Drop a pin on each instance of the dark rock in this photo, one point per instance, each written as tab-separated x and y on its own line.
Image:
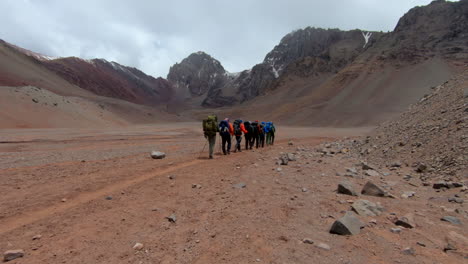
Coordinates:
12	254
108	197
349	224
372	190
366	166
396	164
451	219
35	100
346	188
440	185
284	160
421	167
406	221
307	241
367	208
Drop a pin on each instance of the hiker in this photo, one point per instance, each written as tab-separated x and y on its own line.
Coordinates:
239	128
210	127
267	130
225	131
261	134
248	136
272	131
255	133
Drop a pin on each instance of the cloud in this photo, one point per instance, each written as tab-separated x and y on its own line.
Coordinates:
153	35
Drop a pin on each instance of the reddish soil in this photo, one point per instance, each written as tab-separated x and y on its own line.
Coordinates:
264	222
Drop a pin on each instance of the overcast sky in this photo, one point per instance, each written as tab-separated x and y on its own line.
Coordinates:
152	35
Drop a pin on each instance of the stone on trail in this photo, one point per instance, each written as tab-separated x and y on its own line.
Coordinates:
372	190
323	246
290	143
346	188
12	254
440	185
284	160
408	251
395	230
367	208
291	157
240	185
371	173
451	219
408	194
307	241
138	246
366	166
37	237
172	218
351	170
406	221
349	224
158	155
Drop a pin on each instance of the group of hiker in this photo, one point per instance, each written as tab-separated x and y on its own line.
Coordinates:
256	133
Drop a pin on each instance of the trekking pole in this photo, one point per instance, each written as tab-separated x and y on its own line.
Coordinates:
199	155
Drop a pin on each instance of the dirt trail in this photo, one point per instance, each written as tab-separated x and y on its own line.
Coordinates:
216	223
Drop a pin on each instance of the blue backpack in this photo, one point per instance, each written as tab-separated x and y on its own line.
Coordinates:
223	127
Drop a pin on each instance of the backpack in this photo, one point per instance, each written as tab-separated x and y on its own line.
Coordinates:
255	127
224	127
248	127
237	129
261	127
267	127
210	125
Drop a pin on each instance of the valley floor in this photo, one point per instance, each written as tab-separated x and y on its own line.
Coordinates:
92	194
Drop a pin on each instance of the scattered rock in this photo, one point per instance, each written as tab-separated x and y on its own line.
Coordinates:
371	173
305	189
307	241
456	241
323	246
451	219
455	200
64	200
35	100
346	188
158	155
240	185
349	224
396	164
408	251
421	244
284	160
372	190
291	157
367	208
196	186
440	185
290	143
171	177
408	194
395	230
108	198
36	237
13	254
172	218
421	167
279	169
352	170
138	246
366	166
406	221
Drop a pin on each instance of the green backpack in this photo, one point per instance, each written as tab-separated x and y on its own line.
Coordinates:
210	125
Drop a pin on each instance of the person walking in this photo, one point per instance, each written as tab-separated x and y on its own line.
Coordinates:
248	136
273	131
210	128
267	130
255	134
226	131
239	128
261	134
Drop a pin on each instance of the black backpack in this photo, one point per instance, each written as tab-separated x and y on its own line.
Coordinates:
237	129
255	127
224	127
248	127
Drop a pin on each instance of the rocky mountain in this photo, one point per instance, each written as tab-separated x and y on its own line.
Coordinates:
111	79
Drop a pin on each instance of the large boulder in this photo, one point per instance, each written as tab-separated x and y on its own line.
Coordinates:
346	188
349	224
367	208
12	254
373	190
